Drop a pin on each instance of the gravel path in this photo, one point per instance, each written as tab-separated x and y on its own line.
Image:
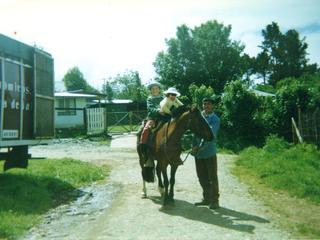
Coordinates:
130	217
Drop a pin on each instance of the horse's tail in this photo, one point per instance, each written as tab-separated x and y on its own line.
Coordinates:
148	174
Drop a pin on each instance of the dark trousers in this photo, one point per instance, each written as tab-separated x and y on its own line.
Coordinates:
208	178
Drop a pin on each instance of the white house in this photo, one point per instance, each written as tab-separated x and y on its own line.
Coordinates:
69	108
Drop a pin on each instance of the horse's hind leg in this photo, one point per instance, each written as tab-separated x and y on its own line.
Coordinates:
172	182
160	184
144	189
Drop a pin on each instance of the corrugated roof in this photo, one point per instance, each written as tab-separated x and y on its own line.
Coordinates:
116	101
79	95
264	94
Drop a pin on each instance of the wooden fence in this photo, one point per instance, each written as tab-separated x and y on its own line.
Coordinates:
95	120
309	126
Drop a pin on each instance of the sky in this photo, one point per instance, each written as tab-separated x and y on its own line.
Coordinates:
104	38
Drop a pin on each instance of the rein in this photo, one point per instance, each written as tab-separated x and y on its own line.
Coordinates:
186	157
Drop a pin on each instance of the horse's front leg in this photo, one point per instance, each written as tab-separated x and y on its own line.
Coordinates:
160	184
166	186
172	182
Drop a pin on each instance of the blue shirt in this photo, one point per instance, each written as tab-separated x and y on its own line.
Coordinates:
208	148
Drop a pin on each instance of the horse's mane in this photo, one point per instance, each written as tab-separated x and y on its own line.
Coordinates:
177	112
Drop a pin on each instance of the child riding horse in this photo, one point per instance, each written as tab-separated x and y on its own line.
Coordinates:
166	148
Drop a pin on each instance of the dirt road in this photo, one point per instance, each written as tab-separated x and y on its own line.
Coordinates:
124	215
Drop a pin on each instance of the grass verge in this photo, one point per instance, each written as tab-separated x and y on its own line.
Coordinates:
286	178
26	194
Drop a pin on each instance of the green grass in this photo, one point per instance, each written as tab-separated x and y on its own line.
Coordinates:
295	169
123	128
287	179
26	194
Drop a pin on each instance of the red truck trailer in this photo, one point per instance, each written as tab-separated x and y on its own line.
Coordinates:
27	100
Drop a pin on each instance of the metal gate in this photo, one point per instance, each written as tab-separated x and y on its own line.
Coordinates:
122	122
99	121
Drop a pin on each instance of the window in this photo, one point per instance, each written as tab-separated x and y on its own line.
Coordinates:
66	106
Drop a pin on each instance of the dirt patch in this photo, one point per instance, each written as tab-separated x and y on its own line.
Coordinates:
127	216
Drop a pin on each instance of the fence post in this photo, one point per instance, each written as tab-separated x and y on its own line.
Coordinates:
130	121
85	120
106	119
300	122
296	130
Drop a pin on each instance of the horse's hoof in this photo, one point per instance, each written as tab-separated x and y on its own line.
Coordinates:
166	207
143	195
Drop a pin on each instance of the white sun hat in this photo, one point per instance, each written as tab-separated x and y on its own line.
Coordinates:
172	90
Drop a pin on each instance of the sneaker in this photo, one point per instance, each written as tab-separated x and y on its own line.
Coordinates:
202	203
214	206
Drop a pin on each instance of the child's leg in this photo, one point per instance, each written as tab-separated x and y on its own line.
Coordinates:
145	131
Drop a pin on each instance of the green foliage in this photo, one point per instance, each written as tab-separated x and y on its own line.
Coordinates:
74	80
27	194
295	169
265	88
204	55
282	56
199	93
128	86
107	89
291	94
241	125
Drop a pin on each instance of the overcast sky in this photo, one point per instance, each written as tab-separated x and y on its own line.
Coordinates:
106	37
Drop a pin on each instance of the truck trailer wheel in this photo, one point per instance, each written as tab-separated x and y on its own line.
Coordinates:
17	158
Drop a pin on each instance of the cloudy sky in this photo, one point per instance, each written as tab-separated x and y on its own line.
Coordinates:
106	37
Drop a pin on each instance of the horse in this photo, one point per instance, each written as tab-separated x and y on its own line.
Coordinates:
166	149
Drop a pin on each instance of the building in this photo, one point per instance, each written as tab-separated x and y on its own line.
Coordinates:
69	108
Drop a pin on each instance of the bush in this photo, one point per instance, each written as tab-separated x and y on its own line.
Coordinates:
295	169
241	125
292	94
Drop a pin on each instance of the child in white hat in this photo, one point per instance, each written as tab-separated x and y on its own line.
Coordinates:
170	102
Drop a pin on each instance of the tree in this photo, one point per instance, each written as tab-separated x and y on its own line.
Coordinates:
261	65
240	123
204	55
74	80
107	89
199	93
283	55
129	86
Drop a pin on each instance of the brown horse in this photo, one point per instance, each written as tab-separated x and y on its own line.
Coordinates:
166	148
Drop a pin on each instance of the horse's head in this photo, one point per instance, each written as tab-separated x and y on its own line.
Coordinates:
198	125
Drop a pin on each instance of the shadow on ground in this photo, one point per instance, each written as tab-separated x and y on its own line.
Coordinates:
222	217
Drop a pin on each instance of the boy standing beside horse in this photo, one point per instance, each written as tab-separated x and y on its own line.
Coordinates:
205	153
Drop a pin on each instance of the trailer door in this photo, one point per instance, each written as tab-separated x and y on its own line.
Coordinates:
11	100
44	95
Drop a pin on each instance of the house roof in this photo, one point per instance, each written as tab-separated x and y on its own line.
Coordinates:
115	101
78	95
263	94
